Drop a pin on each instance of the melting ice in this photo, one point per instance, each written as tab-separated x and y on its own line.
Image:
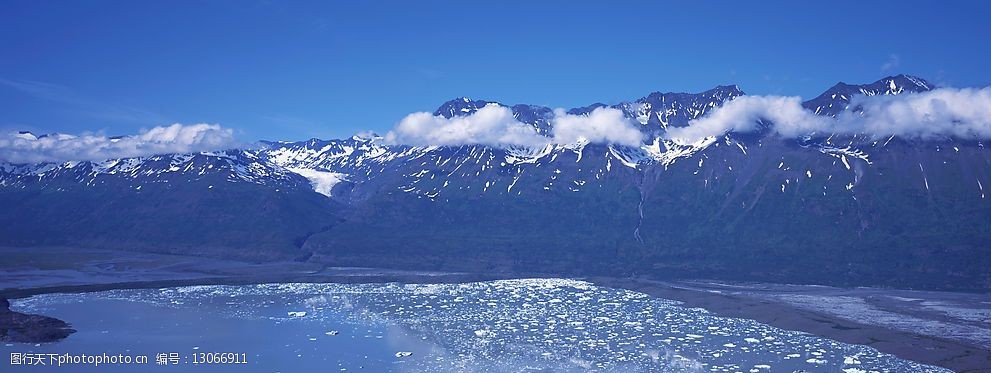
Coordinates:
511	325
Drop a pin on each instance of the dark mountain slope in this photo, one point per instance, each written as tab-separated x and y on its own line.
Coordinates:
206	215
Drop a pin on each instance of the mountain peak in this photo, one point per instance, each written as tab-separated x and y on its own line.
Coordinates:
727	88
26	135
733	88
902	80
364	136
837	98
460	106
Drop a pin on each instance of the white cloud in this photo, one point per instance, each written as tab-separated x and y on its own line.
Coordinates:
496	126
741	115
177	138
602	125
490	125
961	113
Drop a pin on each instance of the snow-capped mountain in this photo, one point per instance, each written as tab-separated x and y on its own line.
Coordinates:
837	98
224	166
839	208
325	163
434	171
658	111
655	112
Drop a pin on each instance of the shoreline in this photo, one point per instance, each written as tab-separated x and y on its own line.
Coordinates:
930	350
438	278
765	303
16	327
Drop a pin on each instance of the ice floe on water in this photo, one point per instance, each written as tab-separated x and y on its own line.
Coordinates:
530	325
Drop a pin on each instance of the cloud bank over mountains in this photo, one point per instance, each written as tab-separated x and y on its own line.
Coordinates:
742	114
495	125
490	125
177	138
963	113
602	125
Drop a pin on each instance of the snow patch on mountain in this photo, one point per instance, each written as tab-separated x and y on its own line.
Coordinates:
323	181
673	150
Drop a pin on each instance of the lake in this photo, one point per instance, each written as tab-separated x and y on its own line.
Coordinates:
495	326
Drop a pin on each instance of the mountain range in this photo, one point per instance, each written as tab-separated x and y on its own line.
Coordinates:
833	209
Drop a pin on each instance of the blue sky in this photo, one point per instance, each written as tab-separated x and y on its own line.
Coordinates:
295	70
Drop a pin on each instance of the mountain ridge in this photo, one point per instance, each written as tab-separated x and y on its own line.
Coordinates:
845	210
